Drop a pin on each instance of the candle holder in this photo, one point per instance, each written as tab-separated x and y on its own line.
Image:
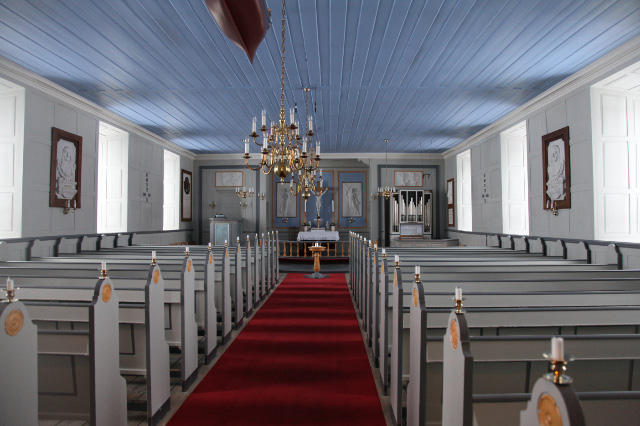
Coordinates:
154	261
10	295
458	305
186	252
397	262
417	278
103	273
557	369
67	209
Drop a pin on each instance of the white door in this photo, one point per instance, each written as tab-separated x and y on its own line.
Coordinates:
113	168
11	157
515	188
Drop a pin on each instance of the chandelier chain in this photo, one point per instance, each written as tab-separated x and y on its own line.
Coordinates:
282	69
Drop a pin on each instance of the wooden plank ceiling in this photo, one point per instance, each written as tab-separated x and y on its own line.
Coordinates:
426	74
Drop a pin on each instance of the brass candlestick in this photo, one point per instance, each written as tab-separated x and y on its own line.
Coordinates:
186	253
458	305
557	370
153	261
103	273
11	295
417	278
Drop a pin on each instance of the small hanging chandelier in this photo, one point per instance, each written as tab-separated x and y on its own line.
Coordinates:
283	150
385	191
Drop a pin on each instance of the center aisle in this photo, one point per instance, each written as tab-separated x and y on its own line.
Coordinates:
300	361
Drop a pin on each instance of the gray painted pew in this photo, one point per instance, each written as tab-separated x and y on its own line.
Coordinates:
79	368
462	353
19	365
143	348
521	320
180	327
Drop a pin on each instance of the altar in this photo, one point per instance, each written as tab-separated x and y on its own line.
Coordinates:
318	235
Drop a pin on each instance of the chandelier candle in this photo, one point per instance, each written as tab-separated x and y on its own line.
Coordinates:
557	349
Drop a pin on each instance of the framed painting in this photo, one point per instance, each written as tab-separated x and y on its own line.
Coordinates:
451	211
352	203
186	182
556	170
403	179
286	204
66	169
229	179
351	199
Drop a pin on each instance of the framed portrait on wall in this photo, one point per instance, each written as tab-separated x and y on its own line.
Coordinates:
66	169
451	211
186	183
556	170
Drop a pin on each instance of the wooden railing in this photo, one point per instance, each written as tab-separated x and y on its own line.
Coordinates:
301	248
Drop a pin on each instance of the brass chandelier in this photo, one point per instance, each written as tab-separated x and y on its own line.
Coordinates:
283	150
307	183
385	191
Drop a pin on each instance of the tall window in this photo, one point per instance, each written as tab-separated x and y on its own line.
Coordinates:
463	190
515	185
11	160
615	120
171	200
113	179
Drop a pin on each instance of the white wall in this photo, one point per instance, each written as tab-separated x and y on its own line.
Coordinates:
44	111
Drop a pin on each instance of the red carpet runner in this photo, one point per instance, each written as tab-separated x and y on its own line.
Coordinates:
300	361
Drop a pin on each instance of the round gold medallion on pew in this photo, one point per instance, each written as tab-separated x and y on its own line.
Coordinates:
548	413
415	297
189	266
106	293
13	323
156	276
454	334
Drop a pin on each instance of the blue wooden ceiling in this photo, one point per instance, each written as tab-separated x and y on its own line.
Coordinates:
426	74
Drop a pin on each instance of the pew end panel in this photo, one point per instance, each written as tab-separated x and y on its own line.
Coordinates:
553	404
189	332
18	365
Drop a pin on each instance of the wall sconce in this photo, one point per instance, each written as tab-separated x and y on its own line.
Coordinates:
351	220
212	205
66	209
262	197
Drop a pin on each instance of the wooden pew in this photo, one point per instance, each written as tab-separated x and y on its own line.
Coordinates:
142	322
462	352
180	329
19	365
92	388
528	318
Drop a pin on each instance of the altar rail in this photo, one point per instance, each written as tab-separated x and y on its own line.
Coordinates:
301	248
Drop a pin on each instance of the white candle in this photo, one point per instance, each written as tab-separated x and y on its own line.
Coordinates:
253	125
246	146
311	124
557	349
264	143
332	207
238	240
318	148
263	235
396	258
75	204
458	293
292	115
320	174
375	246
153	254
104	265
384	251
186	249
417	270
264	117
210	244
9	284
225	242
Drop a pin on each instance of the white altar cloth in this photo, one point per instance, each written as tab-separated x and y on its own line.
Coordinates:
318	235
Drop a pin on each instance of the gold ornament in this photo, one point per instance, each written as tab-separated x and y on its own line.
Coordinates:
13	323
156	276
106	293
548	412
454	334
